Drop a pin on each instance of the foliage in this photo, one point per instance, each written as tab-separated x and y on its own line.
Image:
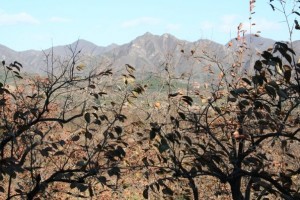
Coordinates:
54	133
246	136
81	132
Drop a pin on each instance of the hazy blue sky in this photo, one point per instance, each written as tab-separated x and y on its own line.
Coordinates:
36	24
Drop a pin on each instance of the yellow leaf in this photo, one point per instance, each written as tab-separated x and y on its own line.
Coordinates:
80	67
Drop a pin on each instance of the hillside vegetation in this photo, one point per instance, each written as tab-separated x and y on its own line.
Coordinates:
157	118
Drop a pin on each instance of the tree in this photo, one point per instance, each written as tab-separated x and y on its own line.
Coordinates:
57	136
65	133
246	136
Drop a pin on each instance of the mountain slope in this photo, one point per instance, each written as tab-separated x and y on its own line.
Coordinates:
148	53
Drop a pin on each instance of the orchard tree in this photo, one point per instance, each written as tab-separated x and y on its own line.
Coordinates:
61	134
245	137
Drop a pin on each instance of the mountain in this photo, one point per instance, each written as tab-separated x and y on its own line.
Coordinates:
86	48
149	53
257	44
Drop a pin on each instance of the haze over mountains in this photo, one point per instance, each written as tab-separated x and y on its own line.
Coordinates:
147	53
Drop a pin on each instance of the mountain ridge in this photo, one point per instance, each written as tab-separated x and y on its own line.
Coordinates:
147	52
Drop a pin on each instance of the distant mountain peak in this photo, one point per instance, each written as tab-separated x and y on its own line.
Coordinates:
83	41
147	50
147	34
168	35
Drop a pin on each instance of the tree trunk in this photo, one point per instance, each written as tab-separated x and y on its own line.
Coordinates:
235	186
194	188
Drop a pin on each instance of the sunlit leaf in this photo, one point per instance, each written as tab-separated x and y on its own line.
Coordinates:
80	67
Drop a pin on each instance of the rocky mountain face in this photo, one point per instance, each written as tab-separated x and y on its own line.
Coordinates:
148	53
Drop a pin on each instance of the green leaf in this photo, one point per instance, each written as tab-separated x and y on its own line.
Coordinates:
163	145
114	171
87	117
247	81
188	100
129	68
146	192
102	93
288	57
245	102
152	134
59	153
45	152
95	95
182	115
92	86
19	191
171	137
16	63
2	102
174	94
95	107
104	117
267	55
121	152
118	130
238	91
82	187
287	73
75	138
218	110
88	135
97	121
297	13
270	90
2	189
102	179
263	122
274	84
231	99
282	94
145	161
258	65
73	185
188	140
80	163
258	80
241	90
267	108
167	191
